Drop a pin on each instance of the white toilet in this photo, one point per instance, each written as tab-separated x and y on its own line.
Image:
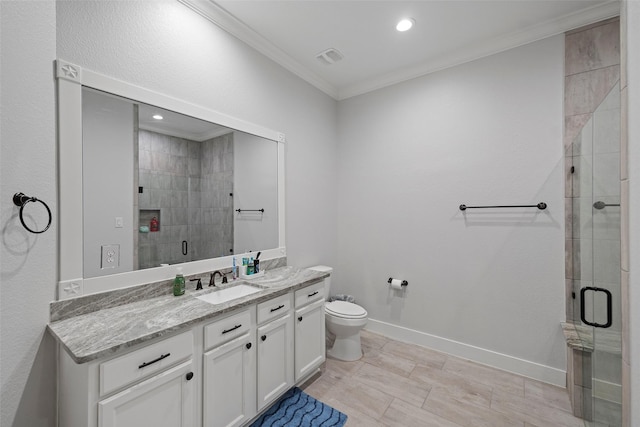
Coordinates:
344	320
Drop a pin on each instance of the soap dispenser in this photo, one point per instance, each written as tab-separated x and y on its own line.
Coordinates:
178	283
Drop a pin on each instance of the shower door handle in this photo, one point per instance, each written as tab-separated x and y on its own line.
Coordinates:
583	291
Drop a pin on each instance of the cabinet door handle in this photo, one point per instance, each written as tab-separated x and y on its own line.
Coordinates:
248	345
300	319
264	337
312	294
226	331
189	376
164	356
277	308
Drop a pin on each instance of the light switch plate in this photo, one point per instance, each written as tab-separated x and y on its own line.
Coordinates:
110	256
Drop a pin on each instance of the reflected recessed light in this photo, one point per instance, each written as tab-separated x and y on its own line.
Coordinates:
405	24
157	117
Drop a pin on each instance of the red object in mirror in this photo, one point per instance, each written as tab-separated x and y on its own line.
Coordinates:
154	225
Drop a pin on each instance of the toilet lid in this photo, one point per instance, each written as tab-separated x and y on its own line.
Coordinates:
345	309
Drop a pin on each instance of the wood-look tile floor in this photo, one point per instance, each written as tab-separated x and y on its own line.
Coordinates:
399	384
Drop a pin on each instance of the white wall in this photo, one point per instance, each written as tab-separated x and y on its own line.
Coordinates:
28	262
255	186
107	159
158	45
633	93
484	133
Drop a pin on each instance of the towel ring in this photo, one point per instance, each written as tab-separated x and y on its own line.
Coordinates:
21	200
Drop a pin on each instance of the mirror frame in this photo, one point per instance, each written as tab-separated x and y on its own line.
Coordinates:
70	80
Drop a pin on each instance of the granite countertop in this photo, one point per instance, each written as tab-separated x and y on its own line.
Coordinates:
102	333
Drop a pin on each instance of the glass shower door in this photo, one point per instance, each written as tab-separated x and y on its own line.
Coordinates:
600	298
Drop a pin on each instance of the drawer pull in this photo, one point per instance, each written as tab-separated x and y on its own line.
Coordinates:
264	337
164	356
226	331
277	308
310	295
189	376
300	319
248	345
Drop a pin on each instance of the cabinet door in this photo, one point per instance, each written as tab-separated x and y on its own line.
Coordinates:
229	397
165	400
275	359
309	339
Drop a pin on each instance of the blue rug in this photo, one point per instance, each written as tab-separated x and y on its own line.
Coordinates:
298	409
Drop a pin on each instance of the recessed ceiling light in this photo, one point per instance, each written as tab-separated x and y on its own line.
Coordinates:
157	117
405	24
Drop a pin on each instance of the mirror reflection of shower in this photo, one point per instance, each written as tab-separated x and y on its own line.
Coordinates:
171	184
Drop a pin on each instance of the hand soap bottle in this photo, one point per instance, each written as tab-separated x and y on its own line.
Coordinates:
178	283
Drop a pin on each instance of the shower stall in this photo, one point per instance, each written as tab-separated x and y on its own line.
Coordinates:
594	314
596	247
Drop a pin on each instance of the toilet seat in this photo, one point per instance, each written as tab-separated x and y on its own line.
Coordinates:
345	310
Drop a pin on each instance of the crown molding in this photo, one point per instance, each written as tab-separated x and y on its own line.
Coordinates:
229	23
489	47
223	19
192	136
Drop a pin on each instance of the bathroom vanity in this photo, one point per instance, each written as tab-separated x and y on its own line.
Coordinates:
181	361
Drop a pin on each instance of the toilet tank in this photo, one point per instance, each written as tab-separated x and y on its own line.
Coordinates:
327	280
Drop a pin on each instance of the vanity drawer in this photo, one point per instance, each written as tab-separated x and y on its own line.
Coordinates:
273	308
226	329
140	364
309	294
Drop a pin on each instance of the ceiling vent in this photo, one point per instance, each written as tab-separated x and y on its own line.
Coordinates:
329	56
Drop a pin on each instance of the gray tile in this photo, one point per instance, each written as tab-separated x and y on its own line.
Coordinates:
179	147
443	404
361	397
573	126
391	363
532	411
498	379
409	390
585	91
400	413
547	394
372	340
595	48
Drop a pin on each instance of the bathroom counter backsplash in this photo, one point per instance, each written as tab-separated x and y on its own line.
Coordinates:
96	333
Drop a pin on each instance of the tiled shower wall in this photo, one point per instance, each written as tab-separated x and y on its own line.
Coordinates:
592	153
188	186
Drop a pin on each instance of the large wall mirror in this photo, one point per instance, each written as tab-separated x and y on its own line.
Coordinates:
149	182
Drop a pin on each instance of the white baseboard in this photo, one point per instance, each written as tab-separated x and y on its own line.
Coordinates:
501	361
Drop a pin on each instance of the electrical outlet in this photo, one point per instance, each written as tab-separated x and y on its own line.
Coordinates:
110	256
119	222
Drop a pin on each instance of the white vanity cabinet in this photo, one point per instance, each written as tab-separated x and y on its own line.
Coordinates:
229	380
165	400
275	349
150	386
220	372
309	330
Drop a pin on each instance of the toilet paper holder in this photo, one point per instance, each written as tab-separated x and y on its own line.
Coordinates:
404	282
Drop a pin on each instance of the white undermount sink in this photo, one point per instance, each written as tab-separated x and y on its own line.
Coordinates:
228	294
